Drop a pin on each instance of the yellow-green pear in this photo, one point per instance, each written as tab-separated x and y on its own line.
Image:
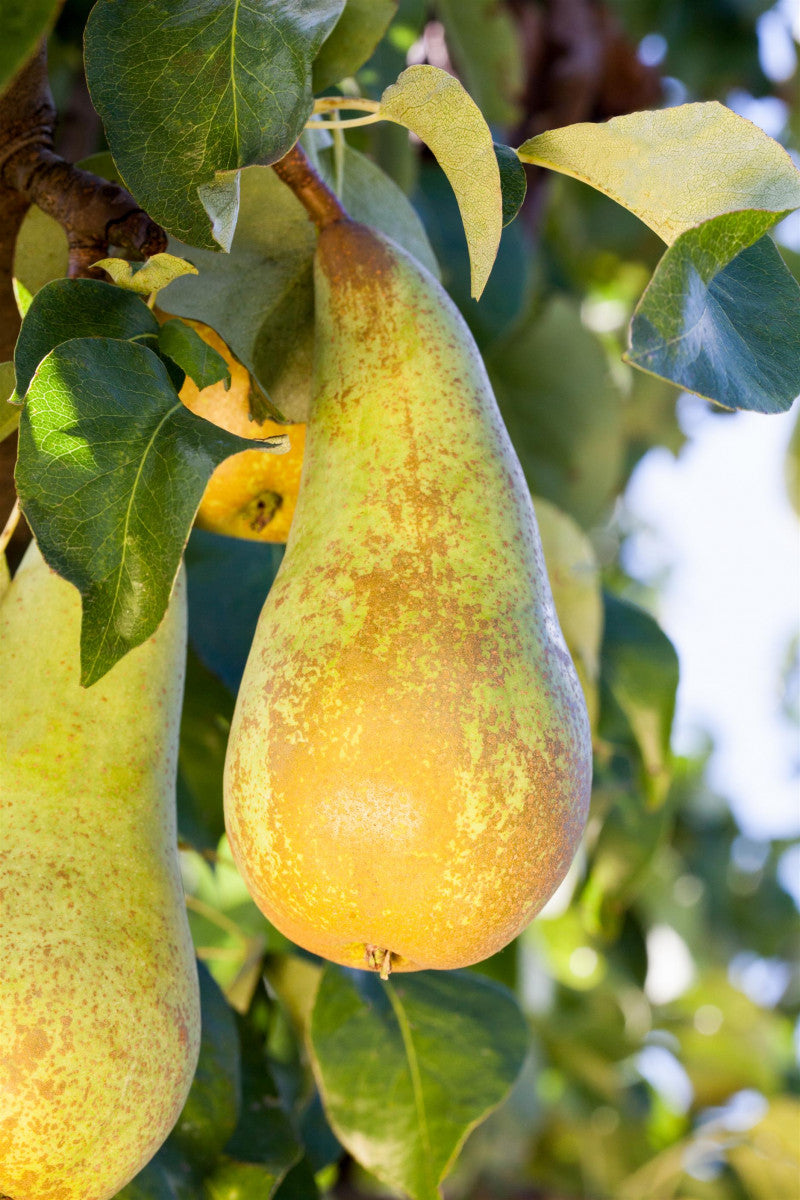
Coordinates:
408	771
99	1006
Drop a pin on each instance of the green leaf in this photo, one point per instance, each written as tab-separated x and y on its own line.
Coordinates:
76	308
562	410
639	674
150	276
434	106
260	297
152	1183
722	323
111	471
676	167
41	252
264	1134
211	1110
485	44
513	181
9	413
243	1181
205	723
23	25
352	40
194	356
187	91
407	1068
222	619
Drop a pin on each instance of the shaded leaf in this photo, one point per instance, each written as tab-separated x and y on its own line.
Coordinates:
434	106
486	47
640	676
406	1069
152	1183
676	167
22	25
77	308
144	278
211	1110
353	38
561	408
193	354
299	1183
188	91
513	181
223	619
724	326
205	723
260	297
111	471
264	1134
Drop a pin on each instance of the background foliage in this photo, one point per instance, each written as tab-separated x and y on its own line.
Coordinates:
313	1081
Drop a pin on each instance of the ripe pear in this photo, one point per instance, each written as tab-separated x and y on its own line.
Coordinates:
408	771
246	497
99	1003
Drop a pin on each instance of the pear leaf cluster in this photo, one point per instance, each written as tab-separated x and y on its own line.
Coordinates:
112	466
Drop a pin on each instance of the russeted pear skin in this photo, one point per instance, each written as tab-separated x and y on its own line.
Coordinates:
409	766
99	1003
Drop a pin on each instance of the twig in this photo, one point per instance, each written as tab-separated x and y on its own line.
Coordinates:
321	204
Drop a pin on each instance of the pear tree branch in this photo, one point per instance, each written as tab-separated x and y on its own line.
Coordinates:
93	212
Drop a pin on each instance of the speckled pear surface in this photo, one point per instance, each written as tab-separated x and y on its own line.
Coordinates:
408	770
99	1007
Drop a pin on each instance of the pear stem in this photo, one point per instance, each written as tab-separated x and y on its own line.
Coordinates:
321	204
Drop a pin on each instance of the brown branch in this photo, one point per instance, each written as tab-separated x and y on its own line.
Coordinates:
93	212
321	204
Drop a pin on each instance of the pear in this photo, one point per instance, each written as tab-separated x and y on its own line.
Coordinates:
99	1003
408	771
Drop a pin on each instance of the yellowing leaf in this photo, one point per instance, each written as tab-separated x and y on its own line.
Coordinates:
676	167
147	277
434	106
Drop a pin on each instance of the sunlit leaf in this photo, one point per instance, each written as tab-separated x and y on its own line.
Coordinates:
147	277
111	470
435	106
77	308
676	167
407	1068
